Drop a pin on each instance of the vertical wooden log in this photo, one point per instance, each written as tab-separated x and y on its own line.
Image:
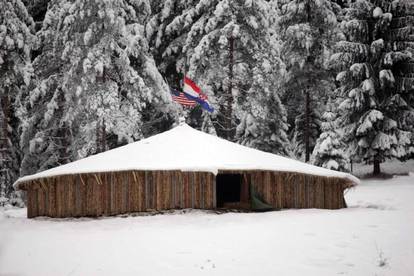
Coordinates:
150	190
157	189
192	192
326	203
118	194
99	195
181	189
83	195
321	194
78	202
161	187
173	202
59	195
107	193
114	198
142	191
168	190
302	192
286	191
46	193
177	189
67	201
154	190
279	191
164	190
208	201
88	182
311	184
31	198
196	190
203	178
213	187
125	192
133	192
292	191
186	191
341	195
52	197
146	197
41	201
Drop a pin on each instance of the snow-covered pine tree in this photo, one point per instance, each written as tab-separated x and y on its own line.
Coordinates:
37	10
232	56
166	32
369	106
307	28
399	59
16	40
298	138
329	149
94	71
263	120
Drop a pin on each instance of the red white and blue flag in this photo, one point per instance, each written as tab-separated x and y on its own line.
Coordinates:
181	98
191	96
193	92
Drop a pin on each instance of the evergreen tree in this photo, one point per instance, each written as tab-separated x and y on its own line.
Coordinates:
299	139
166	31
37	9
97	86
236	60
308	28
16	40
399	60
329	148
370	102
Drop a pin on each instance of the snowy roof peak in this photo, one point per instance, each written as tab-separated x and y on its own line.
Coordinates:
181	121
186	149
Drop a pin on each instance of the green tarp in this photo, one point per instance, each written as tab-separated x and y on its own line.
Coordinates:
257	203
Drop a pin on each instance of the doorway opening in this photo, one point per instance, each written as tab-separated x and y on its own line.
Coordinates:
228	190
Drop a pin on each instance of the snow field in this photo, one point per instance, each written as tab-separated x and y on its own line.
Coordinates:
374	236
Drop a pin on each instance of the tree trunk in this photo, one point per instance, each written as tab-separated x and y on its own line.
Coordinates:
5	177
103	136
377	168
307	126
100	136
61	139
229	109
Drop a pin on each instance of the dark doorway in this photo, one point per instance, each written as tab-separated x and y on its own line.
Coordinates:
228	189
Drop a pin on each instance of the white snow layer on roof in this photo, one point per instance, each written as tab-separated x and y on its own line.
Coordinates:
186	149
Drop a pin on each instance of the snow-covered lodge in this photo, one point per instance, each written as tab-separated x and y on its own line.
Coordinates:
181	168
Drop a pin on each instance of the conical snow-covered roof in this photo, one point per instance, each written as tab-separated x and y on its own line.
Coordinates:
186	149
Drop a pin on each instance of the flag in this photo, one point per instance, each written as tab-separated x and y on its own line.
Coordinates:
181	98
193	92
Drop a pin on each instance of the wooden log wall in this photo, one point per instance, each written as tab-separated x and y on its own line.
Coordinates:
112	193
295	190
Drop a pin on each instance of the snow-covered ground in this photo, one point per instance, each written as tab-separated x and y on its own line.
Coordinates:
390	167
375	236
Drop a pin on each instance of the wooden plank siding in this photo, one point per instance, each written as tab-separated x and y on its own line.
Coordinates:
290	190
112	193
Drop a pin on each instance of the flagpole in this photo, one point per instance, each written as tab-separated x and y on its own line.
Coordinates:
185	72
183	113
